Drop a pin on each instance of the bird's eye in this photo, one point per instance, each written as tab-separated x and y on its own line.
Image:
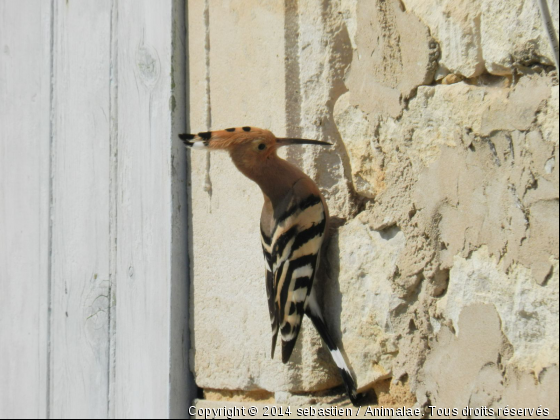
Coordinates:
262	146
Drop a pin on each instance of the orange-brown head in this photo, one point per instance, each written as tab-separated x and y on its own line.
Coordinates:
251	148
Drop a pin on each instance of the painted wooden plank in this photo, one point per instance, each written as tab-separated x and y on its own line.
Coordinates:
79	354
24	206
145	209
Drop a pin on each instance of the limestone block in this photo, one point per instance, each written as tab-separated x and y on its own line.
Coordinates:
485	194
356	132
524	42
394	54
446	115
468	369
528	313
458	364
230	324
455	25
470	125
442	113
473	37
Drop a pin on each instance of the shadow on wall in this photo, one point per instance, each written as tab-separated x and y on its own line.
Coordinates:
330	295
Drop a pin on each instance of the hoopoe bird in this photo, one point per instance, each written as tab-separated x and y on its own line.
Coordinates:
294	224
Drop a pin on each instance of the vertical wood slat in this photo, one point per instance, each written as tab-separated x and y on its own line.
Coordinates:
25	33
146	206
80	210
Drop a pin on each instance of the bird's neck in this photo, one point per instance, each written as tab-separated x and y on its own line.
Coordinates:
275	176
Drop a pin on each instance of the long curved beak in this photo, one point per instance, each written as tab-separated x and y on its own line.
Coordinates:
290	141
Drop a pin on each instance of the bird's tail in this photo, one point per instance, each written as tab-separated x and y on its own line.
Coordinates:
347	377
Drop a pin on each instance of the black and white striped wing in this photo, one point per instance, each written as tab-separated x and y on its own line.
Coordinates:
295	245
270	287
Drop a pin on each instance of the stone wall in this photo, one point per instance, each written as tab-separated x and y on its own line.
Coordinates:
444	273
